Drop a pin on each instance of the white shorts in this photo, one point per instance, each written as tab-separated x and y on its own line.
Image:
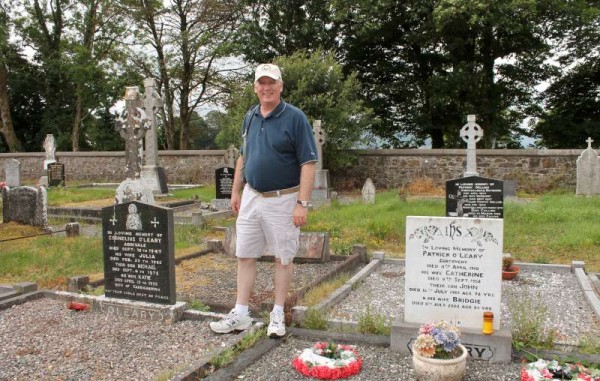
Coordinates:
267	222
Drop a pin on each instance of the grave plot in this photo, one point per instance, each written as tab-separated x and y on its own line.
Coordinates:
212	280
535	290
43	339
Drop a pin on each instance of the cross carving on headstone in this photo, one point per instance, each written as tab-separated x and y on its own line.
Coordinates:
471	133
155	222
152	102
320	139
132	124
589	141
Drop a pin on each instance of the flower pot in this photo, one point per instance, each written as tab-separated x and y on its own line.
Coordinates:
430	369
511	273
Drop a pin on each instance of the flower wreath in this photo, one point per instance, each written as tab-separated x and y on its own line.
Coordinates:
328	361
542	370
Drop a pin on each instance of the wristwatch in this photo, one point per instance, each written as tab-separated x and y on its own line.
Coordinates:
303	203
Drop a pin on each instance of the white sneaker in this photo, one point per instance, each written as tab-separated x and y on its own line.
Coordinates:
231	322
276	325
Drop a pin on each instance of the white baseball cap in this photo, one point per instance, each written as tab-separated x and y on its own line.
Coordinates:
267	70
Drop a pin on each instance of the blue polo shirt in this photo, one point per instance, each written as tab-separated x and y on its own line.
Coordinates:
276	147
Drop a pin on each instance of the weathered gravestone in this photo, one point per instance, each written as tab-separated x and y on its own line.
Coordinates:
138	247
321	192
312	246
131	124
50	148
474	196
453	268
56	174
588	171
368	192
25	205
153	176
12	173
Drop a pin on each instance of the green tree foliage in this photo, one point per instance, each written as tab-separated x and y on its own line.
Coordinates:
314	83
425	65
273	28
76	47
573	109
189	38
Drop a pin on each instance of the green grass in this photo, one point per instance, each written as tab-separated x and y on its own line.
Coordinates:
60	195
555	228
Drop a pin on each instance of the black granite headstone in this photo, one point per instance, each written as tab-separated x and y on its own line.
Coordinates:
224	182
138	246
56	174
474	196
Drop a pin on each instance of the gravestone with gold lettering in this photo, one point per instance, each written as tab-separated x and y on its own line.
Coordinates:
138	247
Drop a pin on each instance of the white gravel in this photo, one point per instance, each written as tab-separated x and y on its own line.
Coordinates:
567	310
43	340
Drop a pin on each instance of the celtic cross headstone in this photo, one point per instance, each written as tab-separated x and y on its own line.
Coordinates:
132	124
471	133
320	139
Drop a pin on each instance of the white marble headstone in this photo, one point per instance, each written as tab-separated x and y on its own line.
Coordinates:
588	171
453	270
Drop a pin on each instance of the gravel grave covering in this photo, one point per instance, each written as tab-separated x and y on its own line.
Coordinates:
43	340
568	312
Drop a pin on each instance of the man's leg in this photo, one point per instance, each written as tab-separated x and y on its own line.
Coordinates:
283	279
246	276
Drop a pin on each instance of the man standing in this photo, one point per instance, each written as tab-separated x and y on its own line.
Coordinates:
276	170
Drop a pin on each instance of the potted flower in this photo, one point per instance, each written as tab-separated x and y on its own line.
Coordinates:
509	270
438	354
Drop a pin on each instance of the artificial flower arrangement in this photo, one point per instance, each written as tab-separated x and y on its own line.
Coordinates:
547	370
328	361
438	340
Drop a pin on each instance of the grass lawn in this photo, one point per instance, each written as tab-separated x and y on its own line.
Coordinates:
552	228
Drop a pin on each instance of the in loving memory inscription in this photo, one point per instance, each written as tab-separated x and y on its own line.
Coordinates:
139	252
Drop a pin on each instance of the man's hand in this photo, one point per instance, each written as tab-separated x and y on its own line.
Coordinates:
235	203
300	215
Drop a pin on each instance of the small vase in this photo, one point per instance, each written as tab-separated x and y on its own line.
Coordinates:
430	369
510	274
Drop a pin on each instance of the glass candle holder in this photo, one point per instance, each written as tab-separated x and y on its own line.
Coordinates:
488	323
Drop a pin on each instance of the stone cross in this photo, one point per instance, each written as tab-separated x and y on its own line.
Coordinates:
589	141
230	156
320	139
132	124
50	148
152	102
471	133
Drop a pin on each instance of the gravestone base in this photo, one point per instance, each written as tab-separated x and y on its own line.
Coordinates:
126	308
495	348
220	204
154	179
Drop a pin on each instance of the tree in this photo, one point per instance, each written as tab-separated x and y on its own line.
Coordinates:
573	109
316	84
6	122
189	38
274	28
430	63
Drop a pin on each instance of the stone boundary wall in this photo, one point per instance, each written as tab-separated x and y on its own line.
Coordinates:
533	170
